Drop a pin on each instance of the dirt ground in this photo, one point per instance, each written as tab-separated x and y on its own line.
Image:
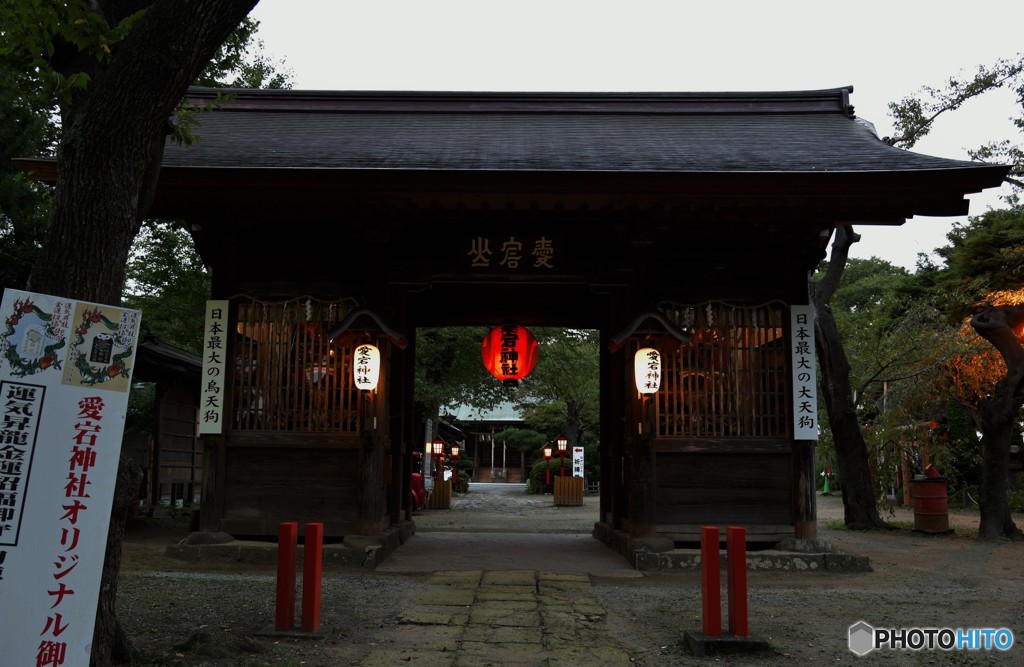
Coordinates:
180	613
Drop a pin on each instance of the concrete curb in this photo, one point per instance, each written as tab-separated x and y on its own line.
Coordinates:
367	551
644	559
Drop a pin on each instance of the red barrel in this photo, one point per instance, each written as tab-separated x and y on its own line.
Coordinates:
931	506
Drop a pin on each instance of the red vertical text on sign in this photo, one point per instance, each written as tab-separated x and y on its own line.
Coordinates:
82	458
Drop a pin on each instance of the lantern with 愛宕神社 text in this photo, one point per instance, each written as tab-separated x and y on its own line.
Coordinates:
647	370
366	367
509	353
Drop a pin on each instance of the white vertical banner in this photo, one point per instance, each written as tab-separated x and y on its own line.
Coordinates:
577	462
212	392
65	374
805	380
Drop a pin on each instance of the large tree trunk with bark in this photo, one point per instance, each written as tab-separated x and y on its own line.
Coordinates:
109	155
999	415
859	504
126	499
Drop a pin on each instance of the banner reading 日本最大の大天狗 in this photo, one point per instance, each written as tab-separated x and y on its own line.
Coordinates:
65	374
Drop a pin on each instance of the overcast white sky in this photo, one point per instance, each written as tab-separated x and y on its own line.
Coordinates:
886	50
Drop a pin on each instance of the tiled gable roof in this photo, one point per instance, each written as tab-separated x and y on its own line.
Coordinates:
800	132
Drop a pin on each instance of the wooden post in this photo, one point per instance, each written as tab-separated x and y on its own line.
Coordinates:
805	513
736	561
287	551
312	576
214	463
373	442
642	480
710	582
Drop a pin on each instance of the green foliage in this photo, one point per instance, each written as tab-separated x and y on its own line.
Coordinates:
449	370
241	63
888	328
956	451
914	116
984	255
537	482
565	385
461	483
26	129
169	284
141	413
560	397
61	42
523	439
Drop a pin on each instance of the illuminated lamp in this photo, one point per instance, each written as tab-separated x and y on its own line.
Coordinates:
647	370
455	452
509	353
366	369
563	444
438	447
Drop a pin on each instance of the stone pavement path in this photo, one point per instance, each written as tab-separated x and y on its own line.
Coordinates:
511	618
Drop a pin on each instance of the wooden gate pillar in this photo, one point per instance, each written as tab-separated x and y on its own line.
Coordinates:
373	445
372	500
805	511
642	480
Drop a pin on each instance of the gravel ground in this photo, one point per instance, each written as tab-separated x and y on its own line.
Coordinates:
179	613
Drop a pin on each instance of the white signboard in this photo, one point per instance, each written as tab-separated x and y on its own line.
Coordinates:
577	462
211	415
805	381
65	372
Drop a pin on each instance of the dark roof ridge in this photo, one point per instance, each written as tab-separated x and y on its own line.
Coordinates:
829	100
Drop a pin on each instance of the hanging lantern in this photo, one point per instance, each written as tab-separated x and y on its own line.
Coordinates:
647	370
509	353
366	369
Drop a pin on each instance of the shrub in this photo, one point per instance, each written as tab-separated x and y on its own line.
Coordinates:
538	476
1016	499
461	484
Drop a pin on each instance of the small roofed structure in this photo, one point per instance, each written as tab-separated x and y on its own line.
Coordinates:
171	454
493	459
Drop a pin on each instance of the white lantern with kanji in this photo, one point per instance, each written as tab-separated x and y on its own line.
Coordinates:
647	370
366	367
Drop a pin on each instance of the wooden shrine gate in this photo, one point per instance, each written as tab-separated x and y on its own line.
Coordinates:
703	211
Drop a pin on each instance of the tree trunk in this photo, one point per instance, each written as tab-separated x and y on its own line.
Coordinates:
860	511
116	649
108	161
999	426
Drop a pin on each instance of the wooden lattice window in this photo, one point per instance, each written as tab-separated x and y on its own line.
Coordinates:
730	379
288	375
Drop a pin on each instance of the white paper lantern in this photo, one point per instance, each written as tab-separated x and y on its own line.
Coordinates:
366	367
647	370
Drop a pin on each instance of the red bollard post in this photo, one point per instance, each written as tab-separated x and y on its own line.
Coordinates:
287	551
710	582
312	572
736	558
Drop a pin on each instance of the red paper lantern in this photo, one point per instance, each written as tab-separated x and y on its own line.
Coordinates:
509	353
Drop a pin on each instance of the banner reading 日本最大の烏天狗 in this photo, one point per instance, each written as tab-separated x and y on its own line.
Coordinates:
65	374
